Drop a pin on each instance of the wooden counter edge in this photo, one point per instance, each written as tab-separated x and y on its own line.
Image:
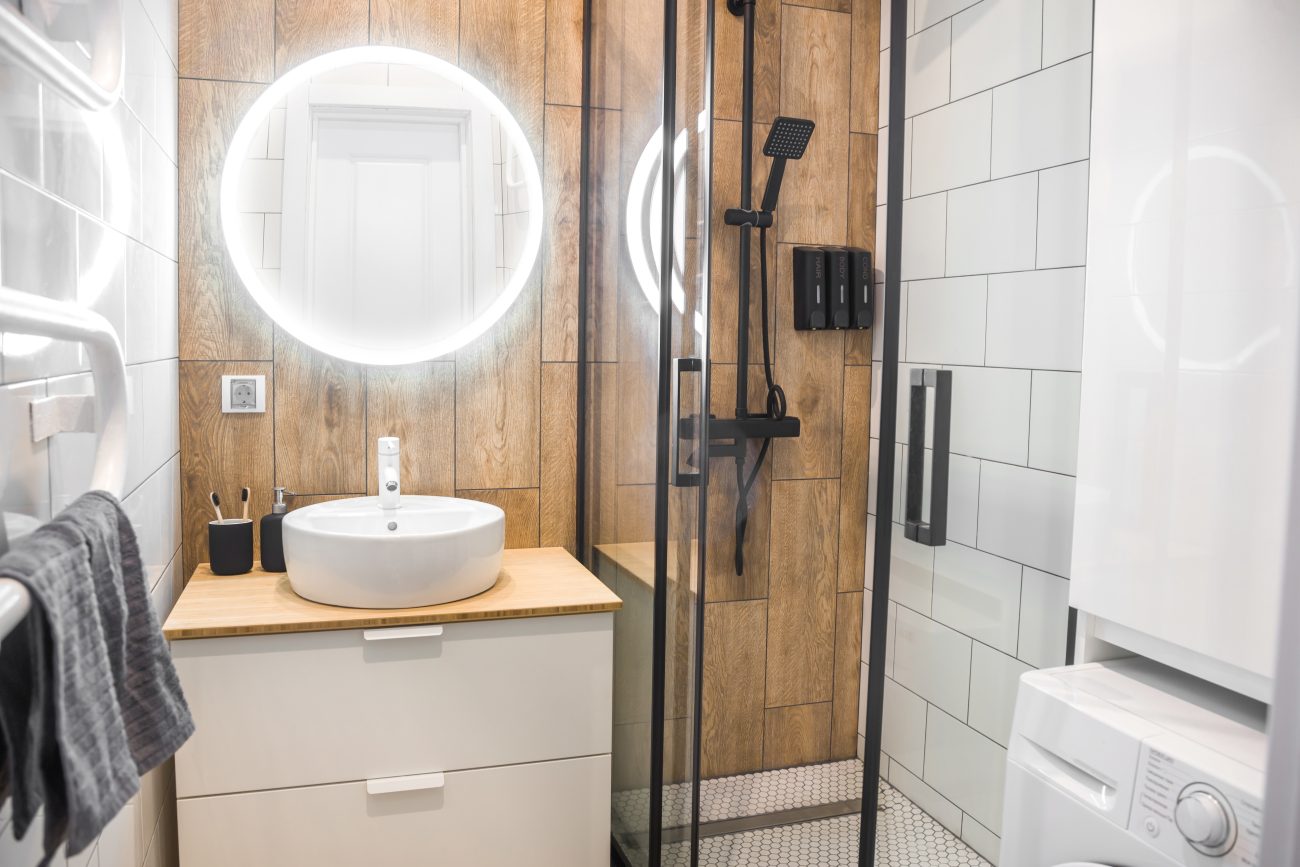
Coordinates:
599	599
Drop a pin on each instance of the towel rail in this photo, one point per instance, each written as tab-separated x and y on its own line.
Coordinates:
95	89
25	313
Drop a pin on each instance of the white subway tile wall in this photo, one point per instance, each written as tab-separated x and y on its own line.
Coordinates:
994	240
88	213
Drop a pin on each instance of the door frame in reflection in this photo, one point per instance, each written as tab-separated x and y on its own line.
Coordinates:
473	91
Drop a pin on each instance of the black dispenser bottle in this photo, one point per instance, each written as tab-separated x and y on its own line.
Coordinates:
273	535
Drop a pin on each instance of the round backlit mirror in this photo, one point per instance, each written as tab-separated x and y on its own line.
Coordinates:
381	205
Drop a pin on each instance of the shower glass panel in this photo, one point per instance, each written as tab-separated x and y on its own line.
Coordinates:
644	365
976	535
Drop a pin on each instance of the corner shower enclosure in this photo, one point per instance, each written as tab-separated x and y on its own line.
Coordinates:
764	665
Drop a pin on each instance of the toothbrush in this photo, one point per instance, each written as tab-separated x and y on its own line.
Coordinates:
216	504
243	495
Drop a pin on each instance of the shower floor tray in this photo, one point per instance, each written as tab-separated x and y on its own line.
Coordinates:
907	836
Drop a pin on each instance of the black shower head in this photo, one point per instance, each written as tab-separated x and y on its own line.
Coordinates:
788	138
787	141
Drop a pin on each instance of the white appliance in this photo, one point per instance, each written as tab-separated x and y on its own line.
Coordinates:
1132	764
1190	334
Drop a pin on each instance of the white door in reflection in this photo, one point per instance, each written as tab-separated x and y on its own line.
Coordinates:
390	195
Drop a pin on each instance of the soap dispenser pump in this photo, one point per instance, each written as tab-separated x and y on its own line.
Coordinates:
273	534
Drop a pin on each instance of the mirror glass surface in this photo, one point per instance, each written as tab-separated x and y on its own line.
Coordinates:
381	205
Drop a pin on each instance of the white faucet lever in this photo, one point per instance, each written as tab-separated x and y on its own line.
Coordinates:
390	473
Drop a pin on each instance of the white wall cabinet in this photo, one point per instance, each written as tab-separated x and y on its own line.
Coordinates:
477	744
1190	338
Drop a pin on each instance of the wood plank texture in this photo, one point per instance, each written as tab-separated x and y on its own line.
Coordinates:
564	52
219	319
425	25
854	461
735	646
808	367
814	81
503	44
729	44
536	582
320	426
723	583
562	185
408	402
221	452
862	226
559	456
307	28
227	39
522	508
725	243
604	250
498	402
797	735
801	592
864	101
848	675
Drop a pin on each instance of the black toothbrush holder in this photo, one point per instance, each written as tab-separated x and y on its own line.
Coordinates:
230	546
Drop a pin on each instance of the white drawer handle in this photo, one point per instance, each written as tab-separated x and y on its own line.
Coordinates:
414	783
401	632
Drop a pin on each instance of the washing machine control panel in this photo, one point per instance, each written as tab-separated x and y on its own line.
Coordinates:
1197	806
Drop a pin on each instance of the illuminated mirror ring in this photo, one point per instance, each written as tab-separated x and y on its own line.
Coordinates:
367	326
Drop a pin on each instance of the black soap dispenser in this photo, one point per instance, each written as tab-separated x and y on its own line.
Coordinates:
273	535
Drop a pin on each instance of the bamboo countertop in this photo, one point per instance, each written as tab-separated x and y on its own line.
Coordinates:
534	582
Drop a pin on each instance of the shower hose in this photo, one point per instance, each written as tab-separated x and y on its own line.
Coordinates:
776	407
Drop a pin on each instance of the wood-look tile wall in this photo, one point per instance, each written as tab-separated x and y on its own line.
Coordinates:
497	421
807	531
782	642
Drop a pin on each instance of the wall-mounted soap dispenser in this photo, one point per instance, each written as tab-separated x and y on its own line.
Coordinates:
273	534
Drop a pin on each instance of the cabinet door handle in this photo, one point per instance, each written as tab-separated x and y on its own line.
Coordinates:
401	632
915	528
413	783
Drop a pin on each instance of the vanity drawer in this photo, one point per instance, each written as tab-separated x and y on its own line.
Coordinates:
550	814
277	711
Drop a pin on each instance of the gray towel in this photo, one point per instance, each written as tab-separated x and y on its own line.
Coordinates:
89	700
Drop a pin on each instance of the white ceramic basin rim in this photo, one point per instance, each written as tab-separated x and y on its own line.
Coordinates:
431	550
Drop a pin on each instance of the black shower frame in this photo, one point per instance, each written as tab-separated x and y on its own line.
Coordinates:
888	383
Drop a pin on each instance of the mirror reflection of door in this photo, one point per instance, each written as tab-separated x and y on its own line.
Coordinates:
381	205
398	235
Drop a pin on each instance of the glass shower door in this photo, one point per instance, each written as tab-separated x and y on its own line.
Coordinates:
644	367
975	429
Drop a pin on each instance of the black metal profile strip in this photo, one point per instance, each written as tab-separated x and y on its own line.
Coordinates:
663	436
888	427
702	511
584	228
744	9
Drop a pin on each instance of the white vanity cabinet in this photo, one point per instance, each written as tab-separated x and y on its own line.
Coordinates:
476	743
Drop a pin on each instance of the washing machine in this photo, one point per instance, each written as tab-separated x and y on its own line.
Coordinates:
1131	764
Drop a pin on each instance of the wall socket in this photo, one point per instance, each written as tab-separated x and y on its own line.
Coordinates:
243	393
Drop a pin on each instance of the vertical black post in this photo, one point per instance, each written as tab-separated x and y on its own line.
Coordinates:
746	202
663	433
888	427
584	223
705	159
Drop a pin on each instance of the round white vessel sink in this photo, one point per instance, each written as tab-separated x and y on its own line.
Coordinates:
431	550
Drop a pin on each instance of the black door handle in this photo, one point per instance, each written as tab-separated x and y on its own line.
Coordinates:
682	478
935	532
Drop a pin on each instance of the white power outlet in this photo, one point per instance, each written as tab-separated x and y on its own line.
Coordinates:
243	393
